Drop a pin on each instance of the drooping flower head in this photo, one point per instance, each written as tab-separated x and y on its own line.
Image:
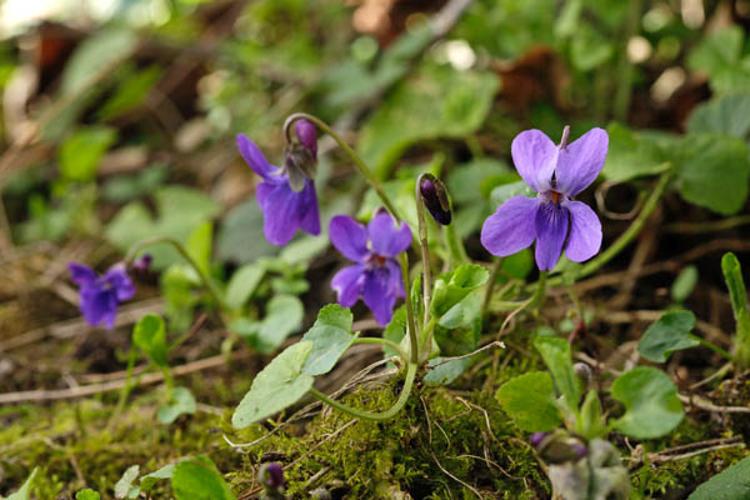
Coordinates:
287	204
554	219
100	295
376	275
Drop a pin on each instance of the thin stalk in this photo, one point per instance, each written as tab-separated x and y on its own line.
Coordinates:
358	162
715	348
423	246
210	286
411	322
403	397
537	300
385	343
168	382
127	388
496	266
456	250
621	102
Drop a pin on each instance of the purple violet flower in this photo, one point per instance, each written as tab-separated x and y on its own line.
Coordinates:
100	295
554	219
376	274
285	209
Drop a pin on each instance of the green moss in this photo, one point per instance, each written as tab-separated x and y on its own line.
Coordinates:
467	434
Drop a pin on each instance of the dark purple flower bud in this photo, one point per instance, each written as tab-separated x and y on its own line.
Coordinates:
537	438
307	134
143	263
271	476
435	198
100	295
580	450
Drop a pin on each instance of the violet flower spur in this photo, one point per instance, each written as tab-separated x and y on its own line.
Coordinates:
376	274
100	295
285	208
554	219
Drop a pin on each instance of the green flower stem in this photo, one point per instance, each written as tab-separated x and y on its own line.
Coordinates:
385	343
426	339
411	373
210	286
496	266
126	389
411	322
456	250
715	348
423	246
358	162
168	382
625	70
537	300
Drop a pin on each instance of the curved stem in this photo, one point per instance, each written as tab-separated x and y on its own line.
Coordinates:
403	397
411	324
537	300
385	343
358	162
135	249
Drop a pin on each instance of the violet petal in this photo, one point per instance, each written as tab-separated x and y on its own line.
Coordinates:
535	156
512	227
388	239
581	161
348	284
375	292
585	236
349	237
254	157
551	230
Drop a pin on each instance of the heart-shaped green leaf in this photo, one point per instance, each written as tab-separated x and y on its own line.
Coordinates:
668	334
730	484
331	336
530	401
182	403
652	406
281	384
199	479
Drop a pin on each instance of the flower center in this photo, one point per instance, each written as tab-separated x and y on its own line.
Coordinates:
554	197
376	260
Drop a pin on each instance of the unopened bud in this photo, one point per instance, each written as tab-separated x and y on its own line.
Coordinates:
561	447
435	198
271	476
307	135
537	438
143	263
584	373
